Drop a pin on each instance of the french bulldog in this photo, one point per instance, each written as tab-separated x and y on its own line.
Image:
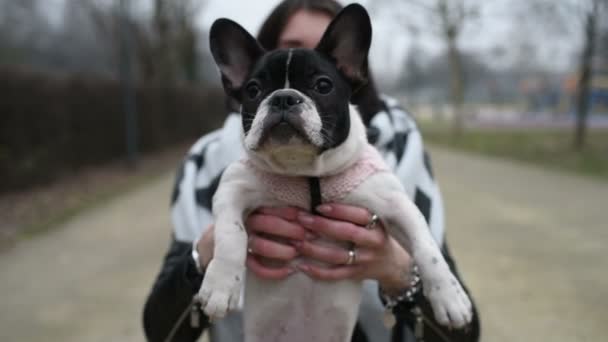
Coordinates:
297	124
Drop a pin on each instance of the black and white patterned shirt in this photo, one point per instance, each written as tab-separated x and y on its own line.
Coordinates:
393	132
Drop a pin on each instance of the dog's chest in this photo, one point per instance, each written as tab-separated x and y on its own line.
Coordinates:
299	309
294	190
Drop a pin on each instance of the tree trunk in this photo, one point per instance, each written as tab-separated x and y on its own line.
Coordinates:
582	101
164	63
456	86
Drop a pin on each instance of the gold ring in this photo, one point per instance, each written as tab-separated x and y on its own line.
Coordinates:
352	256
372	222
249	249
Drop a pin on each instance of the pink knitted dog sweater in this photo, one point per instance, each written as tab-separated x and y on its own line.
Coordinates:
294	190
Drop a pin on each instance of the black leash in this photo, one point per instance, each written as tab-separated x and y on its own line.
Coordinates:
193	309
314	184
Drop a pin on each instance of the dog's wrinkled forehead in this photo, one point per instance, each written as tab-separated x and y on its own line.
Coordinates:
294	68
299	69
325	91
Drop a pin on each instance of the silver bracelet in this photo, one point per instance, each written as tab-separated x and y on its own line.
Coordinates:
408	294
390	302
197	258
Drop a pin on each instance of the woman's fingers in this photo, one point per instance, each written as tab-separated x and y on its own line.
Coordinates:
330	274
343	212
274	226
343	230
268	227
271	249
264	272
286	213
332	254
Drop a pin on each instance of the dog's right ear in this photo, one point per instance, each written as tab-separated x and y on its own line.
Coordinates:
234	51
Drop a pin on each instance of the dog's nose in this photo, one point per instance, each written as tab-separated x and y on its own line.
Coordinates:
285	101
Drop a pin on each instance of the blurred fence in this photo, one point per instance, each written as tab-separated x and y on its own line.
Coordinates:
51	126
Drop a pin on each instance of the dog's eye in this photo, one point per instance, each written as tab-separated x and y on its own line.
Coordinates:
323	86
253	90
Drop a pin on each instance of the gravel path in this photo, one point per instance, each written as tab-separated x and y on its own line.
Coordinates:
530	242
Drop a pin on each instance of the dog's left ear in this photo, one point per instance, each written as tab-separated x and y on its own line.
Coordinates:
347	40
234	51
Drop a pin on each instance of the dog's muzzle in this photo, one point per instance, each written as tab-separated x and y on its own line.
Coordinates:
284	119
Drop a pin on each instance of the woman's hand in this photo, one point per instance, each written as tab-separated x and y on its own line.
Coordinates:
273	234
378	256
270	232
279	235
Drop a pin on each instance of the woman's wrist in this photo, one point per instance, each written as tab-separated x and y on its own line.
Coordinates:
202	249
399	274
406	292
395	285
406	295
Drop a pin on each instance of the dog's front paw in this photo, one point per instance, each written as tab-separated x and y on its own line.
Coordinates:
221	289
451	304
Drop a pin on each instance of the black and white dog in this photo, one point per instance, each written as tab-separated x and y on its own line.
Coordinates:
297	123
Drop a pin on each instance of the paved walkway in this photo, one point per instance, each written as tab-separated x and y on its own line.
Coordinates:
531	243
533	246
87	280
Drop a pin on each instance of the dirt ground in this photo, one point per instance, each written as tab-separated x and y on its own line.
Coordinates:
531	243
34	209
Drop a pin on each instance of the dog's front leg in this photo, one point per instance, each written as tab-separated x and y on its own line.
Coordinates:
451	304
383	195
221	288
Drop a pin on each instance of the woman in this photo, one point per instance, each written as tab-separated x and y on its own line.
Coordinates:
278	235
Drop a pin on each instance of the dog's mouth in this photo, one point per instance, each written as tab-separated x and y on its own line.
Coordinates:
283	129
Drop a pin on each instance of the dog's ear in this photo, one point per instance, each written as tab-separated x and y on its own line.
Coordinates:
234	51
347	41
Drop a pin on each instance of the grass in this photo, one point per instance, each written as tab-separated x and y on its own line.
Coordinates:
550	148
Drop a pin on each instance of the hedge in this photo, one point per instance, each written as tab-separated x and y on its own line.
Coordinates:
53	125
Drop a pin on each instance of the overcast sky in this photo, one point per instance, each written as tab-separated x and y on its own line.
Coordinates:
391	42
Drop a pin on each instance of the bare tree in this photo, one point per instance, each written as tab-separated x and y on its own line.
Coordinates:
165	44
107	19
23	29
590	21
447	20
581	17
176	38
453	16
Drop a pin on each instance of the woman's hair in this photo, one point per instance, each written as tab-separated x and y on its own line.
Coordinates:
275	23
